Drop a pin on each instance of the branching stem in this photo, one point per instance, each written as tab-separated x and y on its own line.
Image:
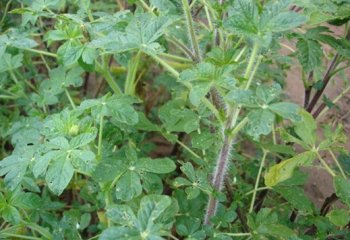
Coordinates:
223	158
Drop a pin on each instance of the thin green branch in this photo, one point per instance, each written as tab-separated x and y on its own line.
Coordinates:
104	70
166	65
40	52
69	98
338	164
188	149
262	163
5	11
325	165
100	134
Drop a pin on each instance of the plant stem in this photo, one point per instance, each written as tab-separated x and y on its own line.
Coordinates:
108	202
321	109
256	190
176	58
213	109
257	181
145	6
338	164
251	64
8	97
13	76
223	158
166	65
40	52
236	234
19	236
69	98
130	82
326	79
323	162
308	88
191	31
182	47
104	70
5	12
253	73
188	149
100	134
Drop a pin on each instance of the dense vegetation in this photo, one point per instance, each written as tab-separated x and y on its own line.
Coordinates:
168	119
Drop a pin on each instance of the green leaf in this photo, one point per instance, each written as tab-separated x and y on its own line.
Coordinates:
129	186
160	166
151	207
25	200
122	233
59	174
276	230
201	78
89	55
15	166
309	54
339	217
121	214
244	97
70	53
9	62
60	159
164	6
267	93
141	34
274	18
178	119
284	170
203	140
244	19
60	79
306	128
260	122
118	107
145	124
296	197
286	110
108	169
342	189
11	214
83	139
16	39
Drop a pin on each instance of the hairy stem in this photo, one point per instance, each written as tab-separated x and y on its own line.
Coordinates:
190	28
223	158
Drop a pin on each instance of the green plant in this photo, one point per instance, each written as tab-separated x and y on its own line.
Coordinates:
131	119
